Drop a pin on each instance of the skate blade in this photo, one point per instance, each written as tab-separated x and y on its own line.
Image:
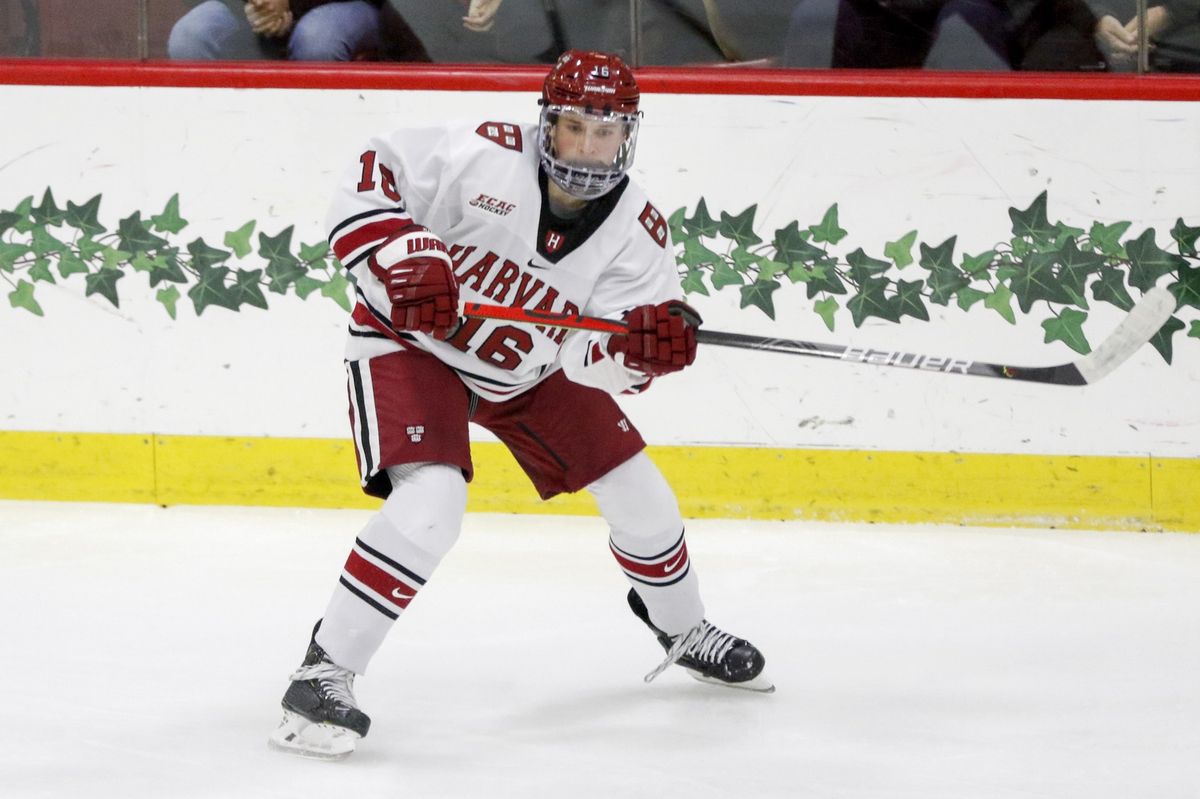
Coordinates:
759	685
296	735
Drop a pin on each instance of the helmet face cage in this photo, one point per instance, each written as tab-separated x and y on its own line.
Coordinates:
586	179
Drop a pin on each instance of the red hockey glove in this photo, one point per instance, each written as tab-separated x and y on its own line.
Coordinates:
661	338
416	271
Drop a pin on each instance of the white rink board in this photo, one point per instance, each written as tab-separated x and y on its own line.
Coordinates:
942	166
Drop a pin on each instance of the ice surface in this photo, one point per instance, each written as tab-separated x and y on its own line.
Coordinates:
145	651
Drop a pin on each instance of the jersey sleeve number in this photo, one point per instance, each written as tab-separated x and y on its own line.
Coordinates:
387	178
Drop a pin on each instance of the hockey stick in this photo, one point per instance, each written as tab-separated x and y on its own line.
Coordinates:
1140	324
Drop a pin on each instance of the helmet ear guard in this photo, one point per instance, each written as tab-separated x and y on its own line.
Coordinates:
600	90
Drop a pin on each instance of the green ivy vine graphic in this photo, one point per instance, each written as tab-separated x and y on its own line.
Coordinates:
1053	263
1042	262
33	238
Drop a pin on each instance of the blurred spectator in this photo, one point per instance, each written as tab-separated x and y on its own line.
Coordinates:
303	30
872	34
1177	48
20	33
529	31
1172	33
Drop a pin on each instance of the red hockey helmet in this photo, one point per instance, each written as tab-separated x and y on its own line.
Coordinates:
589	122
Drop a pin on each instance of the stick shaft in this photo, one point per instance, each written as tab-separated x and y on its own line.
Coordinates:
1142	322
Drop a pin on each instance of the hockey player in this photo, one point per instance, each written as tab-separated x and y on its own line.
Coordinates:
537	217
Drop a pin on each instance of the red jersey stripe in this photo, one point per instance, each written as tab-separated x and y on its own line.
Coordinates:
351	240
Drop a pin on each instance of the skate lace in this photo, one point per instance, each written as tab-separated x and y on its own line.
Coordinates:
703	642
334	681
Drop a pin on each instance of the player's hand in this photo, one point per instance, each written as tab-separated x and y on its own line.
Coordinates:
417	273
661	338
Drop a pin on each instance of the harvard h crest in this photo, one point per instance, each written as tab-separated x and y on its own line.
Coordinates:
415	432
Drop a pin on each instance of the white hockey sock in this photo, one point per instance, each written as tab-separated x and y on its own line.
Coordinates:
392	558
646	537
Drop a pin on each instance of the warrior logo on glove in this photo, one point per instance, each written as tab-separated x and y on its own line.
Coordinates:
415	269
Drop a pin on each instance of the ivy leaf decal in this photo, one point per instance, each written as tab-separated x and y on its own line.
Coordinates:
939	258
169	221
310	253
135	237
85	218
1148	262
169	297
826	309
828	230
968	296
239	240
44	243
693	282
1187	289
24	213
1076	266
22	297
696	255
700	223
41	271
1107	238
69	264
1032	222
245	289
284	269
210	289
165	268
724	275
7	220
759	294
306	286
1161	340
1068	328
10	254
900	250
1194	331
1035	280
1185	237
1110	288
337	289
675	223
114	258
909	301
792	248
744	260
104	283
48	213
1000	301
978	264
863	267
945	279
740	228
205	257
871	300
823	277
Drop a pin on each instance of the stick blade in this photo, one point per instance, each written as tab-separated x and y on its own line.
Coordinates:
1146	319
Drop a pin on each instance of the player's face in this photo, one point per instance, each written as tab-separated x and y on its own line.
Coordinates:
583	141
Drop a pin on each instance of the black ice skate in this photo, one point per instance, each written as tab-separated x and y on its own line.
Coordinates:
708	654
320	716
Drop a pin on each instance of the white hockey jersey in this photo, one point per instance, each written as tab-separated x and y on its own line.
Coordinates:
479	188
